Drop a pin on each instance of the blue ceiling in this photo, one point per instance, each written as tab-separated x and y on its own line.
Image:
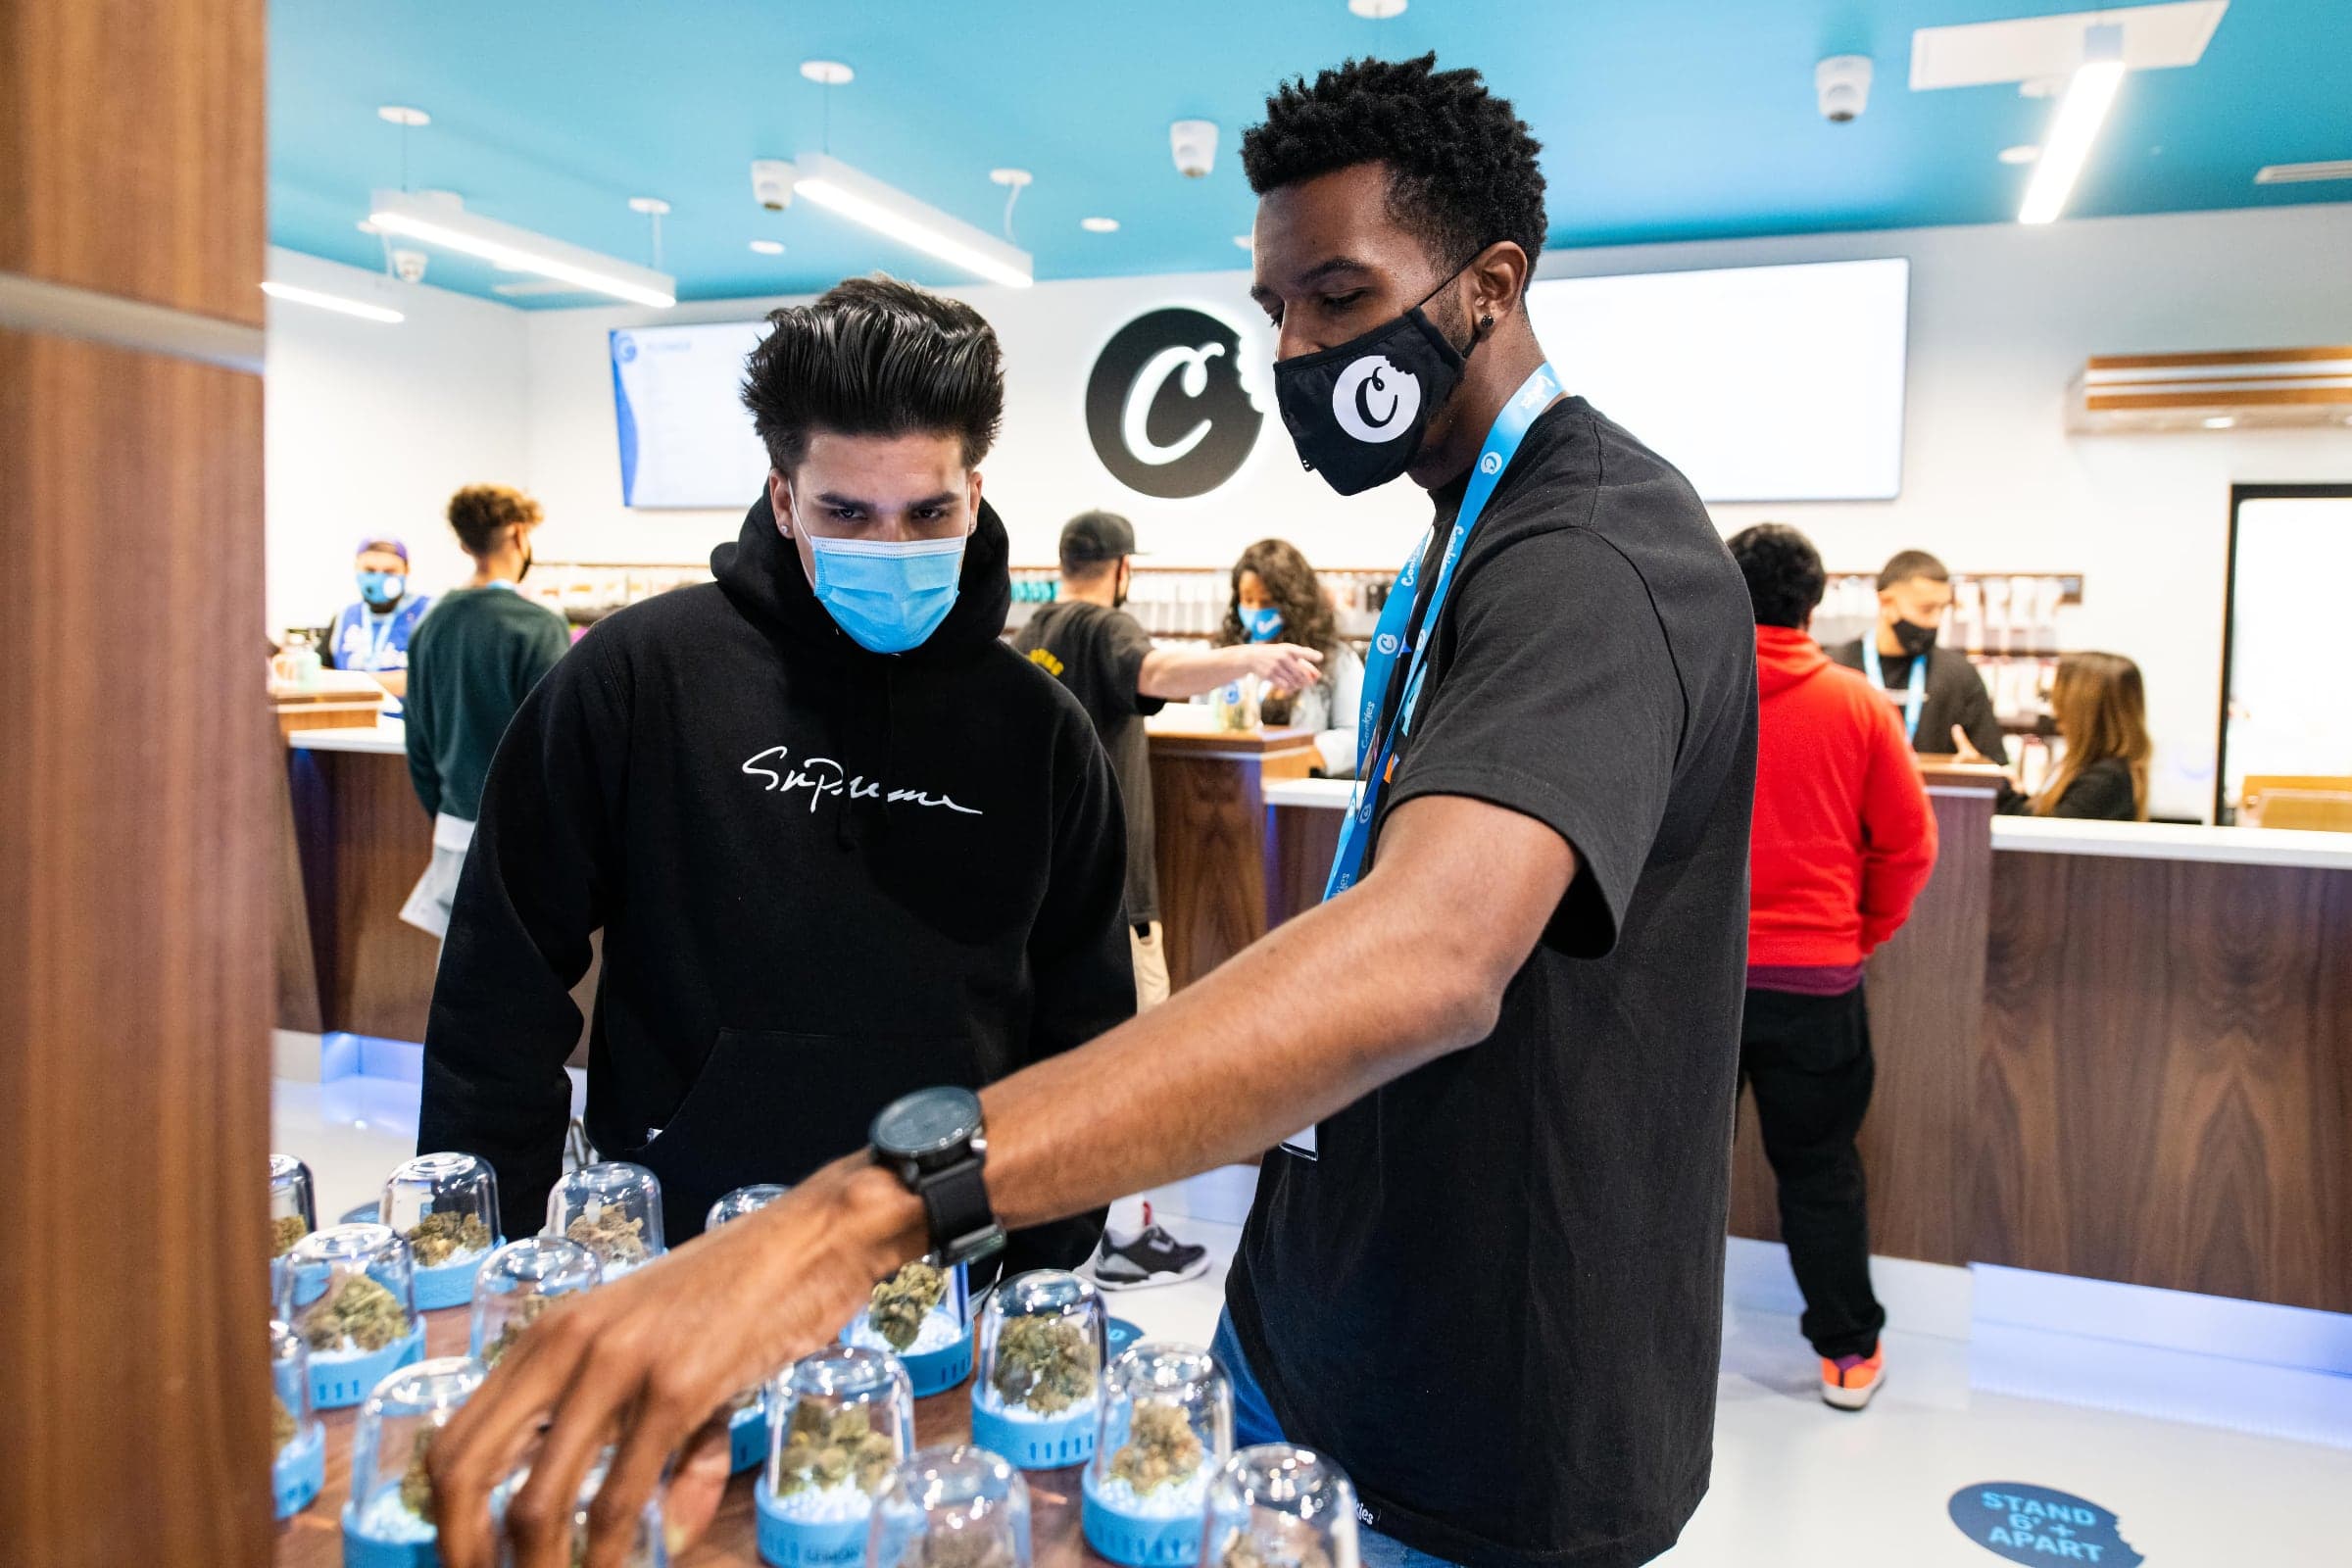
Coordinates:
1661	120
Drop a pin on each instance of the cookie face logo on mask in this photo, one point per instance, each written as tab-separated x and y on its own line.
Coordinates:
1374	401
1165	407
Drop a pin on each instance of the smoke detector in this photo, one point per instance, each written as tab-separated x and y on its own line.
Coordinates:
772	183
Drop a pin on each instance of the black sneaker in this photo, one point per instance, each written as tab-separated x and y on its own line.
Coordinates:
1155	1257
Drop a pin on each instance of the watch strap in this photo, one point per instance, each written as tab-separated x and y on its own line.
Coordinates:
963	1225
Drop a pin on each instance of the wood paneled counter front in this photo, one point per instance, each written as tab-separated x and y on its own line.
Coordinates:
314	1538
2116	1051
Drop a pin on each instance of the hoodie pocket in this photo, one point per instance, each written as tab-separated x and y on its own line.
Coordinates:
773	1106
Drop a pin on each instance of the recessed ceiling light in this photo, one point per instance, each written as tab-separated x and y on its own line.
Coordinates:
648	203
828	72
1377	10
2220	421
1099	225
1242	240
403	114
1016	177
2020	155
769	247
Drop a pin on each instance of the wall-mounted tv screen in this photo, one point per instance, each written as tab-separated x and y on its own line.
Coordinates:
685	439
1760	383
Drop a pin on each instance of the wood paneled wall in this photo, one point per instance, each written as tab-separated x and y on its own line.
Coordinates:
135	942
2165	1090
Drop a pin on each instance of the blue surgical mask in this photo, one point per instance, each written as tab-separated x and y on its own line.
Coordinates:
1263	624
888	596
382	589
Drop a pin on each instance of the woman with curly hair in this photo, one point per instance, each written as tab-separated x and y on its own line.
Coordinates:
1276	595
473	662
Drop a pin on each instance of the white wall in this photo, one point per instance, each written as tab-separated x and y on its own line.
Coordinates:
367	428
2001	318
1042	471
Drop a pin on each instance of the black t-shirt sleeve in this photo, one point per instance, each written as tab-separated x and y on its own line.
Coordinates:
1121	647
1976	715
1560	701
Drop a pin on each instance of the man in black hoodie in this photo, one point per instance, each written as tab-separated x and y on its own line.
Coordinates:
841	841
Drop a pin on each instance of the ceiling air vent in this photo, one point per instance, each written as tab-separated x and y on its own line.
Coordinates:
2303	173
2243	387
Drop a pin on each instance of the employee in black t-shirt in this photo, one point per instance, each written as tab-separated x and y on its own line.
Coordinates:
1086	639
1933	688
1088	642
1489	1283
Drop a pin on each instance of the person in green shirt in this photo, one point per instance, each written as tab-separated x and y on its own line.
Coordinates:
471	662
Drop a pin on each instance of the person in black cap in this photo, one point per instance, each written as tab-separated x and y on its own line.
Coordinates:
1090	644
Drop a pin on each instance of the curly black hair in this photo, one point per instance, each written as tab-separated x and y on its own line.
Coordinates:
1463	171
875	357
1784	573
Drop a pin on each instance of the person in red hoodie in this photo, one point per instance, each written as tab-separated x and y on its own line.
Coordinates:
1843	841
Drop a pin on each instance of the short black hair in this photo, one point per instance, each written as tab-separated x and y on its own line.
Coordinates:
1784	573
1463	171
1905	565
875	357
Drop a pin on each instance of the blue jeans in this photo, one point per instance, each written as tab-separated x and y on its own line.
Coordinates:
1253	1423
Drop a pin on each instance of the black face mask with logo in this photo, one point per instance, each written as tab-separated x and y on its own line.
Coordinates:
1358	413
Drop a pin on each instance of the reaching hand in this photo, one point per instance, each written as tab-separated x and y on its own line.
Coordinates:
1964	749
1285	664
643	1363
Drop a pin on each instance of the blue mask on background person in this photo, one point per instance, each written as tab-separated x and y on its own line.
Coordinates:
382	589
1263	624
889	596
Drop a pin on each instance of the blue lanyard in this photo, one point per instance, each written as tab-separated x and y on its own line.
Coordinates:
1915	697
1376	750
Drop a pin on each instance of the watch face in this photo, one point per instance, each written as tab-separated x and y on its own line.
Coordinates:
927	1121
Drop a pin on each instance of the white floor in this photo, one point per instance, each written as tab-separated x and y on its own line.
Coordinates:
1796	1485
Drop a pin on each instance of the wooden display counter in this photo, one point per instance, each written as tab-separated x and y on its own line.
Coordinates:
356	841
1208	800
314	1538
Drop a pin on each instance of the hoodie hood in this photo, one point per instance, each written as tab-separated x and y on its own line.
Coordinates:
761	573
1786	656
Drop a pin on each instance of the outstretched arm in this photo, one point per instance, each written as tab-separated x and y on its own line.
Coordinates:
1223	1072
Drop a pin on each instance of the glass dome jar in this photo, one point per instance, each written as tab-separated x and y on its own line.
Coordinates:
951	1508
614	1210
520	1281
1276	1506
297	1439
648	1550
1041	1362
747	1425
388	1523
293	1210
350	1292
844	1421
1166	1427
446	1208
924	1316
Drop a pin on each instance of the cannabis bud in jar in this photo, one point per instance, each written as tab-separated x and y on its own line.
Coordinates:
901	1302
1047	1363
440	1236
356	1309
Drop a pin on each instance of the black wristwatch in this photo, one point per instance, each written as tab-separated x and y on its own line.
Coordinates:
936	1142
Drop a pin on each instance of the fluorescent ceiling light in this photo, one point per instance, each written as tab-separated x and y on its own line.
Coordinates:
332	302
2080	113
445	223
889	211
2303	173
1099	225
